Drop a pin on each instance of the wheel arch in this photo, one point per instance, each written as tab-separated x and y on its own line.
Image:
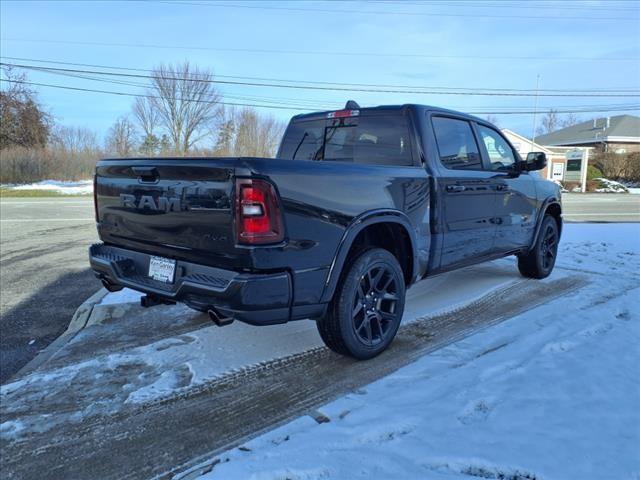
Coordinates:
388	229
553	207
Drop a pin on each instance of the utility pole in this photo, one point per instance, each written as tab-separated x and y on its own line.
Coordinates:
535	111
535	115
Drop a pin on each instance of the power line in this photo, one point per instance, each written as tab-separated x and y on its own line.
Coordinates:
287	101
293	103
127	94
529	5
325	88
392	12
316	82
309	103
328	53
626	108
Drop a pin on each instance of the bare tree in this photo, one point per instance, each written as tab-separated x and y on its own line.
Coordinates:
186	102
74	140
550	122
569	120
121	139
492	119
256	135
146	114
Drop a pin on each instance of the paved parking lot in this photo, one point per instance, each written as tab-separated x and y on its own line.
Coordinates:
45	274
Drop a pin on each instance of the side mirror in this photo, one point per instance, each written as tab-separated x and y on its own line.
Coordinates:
535	161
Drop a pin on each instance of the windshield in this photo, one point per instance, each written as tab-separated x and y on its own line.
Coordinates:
376	140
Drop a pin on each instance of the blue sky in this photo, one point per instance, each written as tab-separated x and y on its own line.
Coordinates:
572	45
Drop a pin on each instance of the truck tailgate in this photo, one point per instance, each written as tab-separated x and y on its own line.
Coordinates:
176	207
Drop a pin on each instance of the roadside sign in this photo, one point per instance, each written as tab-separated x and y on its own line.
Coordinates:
577	161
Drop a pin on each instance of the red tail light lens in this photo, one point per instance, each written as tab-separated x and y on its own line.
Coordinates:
258	215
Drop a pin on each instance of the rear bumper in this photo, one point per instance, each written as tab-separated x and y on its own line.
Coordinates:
258	299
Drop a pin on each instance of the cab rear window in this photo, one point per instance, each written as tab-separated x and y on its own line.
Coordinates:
366	139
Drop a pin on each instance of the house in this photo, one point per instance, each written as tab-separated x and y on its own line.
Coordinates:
618	134
555	155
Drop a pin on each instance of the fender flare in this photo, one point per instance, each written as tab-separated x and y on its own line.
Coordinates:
543	211
358	224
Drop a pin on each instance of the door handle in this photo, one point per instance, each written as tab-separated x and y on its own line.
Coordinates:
146	174
502	188
456	188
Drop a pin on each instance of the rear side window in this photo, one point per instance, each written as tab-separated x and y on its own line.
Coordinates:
366	139
456	144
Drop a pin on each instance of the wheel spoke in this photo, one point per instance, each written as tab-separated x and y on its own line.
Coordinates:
388	316
367	327
387	283
376	279
379	325
370	281
374	304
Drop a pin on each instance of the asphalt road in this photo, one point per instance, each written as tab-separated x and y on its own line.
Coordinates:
601	207
44	274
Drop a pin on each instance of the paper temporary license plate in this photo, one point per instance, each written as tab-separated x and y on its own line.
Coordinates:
162	269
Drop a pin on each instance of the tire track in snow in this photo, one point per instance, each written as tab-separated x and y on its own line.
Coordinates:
175	433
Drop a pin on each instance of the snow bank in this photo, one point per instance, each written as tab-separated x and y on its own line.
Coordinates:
83	187
610	186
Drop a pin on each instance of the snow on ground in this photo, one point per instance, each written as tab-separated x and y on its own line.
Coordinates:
83	187
126	295
120	362
634	190
550	394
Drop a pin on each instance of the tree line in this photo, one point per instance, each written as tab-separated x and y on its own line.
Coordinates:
180	113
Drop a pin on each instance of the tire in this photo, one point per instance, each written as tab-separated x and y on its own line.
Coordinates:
539	262
367	306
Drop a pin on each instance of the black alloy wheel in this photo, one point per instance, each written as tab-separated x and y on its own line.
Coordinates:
365	312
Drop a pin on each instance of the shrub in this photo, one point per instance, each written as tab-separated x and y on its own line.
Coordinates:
615	166
593	172
27	165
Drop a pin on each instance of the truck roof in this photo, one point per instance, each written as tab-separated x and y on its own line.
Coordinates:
383	108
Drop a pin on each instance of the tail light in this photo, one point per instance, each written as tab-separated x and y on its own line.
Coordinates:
95	196
258	215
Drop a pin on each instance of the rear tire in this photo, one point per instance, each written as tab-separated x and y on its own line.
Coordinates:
539	262
367	306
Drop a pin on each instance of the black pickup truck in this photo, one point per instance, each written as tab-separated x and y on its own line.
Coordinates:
359	204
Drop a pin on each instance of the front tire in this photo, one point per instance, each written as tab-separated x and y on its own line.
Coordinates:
539	262
367	306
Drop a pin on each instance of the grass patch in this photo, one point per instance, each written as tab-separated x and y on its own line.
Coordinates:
10	192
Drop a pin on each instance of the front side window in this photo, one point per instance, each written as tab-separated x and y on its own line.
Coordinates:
367	139
456	144
500	152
